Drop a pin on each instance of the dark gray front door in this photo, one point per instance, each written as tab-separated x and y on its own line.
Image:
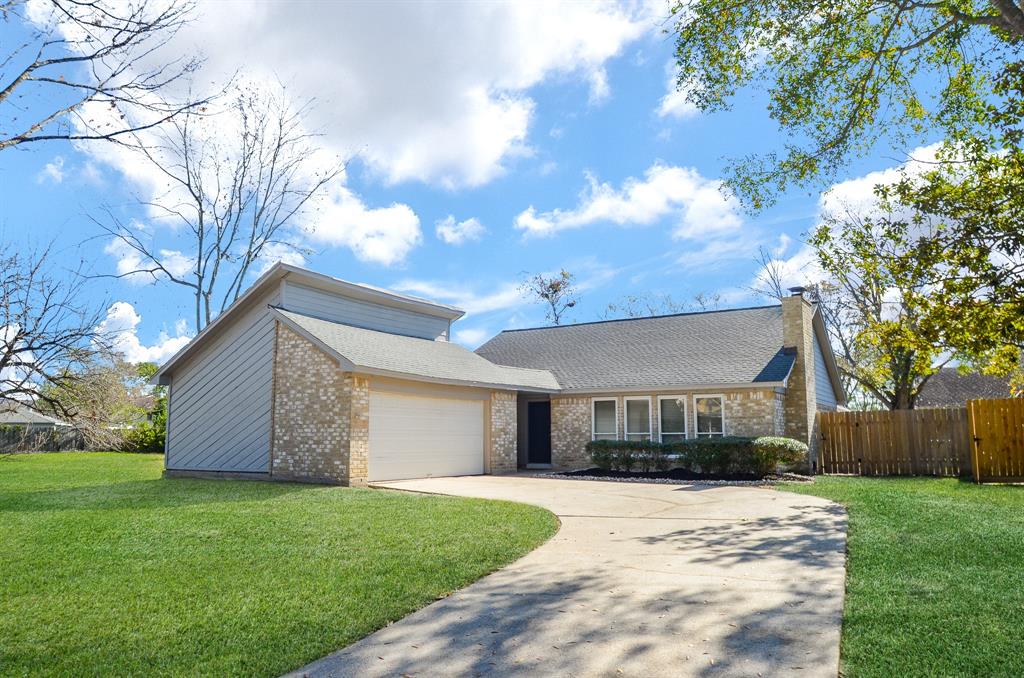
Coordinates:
538	440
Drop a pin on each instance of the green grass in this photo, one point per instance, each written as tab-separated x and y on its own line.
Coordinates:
106	568
935	579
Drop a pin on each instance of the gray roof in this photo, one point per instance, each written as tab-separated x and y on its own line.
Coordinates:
740	346
383	353
949	388
22	415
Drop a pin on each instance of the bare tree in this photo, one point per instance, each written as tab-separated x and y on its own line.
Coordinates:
769	282
236	181
650	304
557	291
84	72
47	332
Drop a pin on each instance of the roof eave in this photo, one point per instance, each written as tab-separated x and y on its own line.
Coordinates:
612	390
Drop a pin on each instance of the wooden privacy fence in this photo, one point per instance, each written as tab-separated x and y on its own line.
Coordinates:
997	437
984	439
896	443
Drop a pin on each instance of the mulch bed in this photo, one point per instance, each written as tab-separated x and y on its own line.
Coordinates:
679	476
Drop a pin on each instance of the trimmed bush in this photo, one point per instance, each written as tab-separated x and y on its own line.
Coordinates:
725	456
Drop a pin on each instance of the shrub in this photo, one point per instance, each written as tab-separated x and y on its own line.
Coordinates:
773	451
706	456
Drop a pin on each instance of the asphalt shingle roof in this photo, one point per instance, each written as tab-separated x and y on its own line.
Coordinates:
417	358
738	346
949	388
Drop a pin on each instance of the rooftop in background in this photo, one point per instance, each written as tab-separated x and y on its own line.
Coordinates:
728	347
949	388
22	415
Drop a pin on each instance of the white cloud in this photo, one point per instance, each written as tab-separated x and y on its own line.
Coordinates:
133	267
506	295
858	194
52	171
471	337
699	205
441	96
674	103
456	233
121	327
383	235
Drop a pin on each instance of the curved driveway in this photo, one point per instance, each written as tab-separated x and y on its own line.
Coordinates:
641	580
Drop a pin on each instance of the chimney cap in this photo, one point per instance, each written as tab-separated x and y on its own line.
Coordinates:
798	291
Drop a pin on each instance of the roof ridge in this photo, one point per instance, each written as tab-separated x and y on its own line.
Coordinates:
647	317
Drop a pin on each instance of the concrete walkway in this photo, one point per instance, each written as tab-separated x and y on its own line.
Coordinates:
641	580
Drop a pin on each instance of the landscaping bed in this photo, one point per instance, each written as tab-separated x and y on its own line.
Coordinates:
679	476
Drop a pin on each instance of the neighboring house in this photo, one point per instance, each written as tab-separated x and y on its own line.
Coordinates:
307	377
949	388
22	416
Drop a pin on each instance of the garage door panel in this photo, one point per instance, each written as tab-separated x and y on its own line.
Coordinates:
416	437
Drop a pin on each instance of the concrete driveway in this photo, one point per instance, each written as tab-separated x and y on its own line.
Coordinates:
641	580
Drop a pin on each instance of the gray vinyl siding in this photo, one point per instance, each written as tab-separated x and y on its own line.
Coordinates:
220	404
328	306
826	394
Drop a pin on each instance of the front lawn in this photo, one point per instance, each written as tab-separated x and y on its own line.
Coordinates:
106	568
935	580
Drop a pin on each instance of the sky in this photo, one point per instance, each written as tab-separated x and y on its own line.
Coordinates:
485	141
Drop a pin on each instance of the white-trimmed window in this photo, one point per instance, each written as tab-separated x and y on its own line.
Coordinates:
710	411
672	417
604	416
638	418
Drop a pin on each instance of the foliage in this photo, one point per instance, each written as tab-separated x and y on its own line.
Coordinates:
86	70
149	434
110	570
557	291
933	579
724	456
842	75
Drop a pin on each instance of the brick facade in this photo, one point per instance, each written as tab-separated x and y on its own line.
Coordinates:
310	437
570	431
801	394
358	388
503	431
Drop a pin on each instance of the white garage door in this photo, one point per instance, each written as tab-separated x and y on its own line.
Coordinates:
414	437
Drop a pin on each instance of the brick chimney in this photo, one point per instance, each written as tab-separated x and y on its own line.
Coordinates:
798	335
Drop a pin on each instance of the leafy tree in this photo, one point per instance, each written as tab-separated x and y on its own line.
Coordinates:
557	292
149	435
843	74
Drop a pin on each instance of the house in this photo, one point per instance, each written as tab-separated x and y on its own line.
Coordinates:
22	416
307	377
950	388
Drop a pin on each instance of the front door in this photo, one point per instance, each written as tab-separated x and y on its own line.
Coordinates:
538	440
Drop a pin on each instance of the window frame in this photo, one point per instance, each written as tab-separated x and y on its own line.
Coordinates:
625	418
686	418
593	418
696	428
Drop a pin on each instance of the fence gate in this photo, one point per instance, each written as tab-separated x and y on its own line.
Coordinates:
997	439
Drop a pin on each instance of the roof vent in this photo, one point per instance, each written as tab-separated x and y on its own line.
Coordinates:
797	291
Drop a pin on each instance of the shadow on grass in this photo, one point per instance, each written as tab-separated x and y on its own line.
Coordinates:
148	494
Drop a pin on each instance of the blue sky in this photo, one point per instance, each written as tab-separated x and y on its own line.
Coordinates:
468	112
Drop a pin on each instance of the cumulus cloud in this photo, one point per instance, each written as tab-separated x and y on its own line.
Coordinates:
503	296
698	205
136	270
858	194
456	233
471	337
52	171
121	327
441	96
674	103
383	235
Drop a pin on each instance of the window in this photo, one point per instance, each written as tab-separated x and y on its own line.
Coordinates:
710	415
672	414
638	418
605	419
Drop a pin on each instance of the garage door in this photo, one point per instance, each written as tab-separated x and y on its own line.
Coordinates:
415	437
